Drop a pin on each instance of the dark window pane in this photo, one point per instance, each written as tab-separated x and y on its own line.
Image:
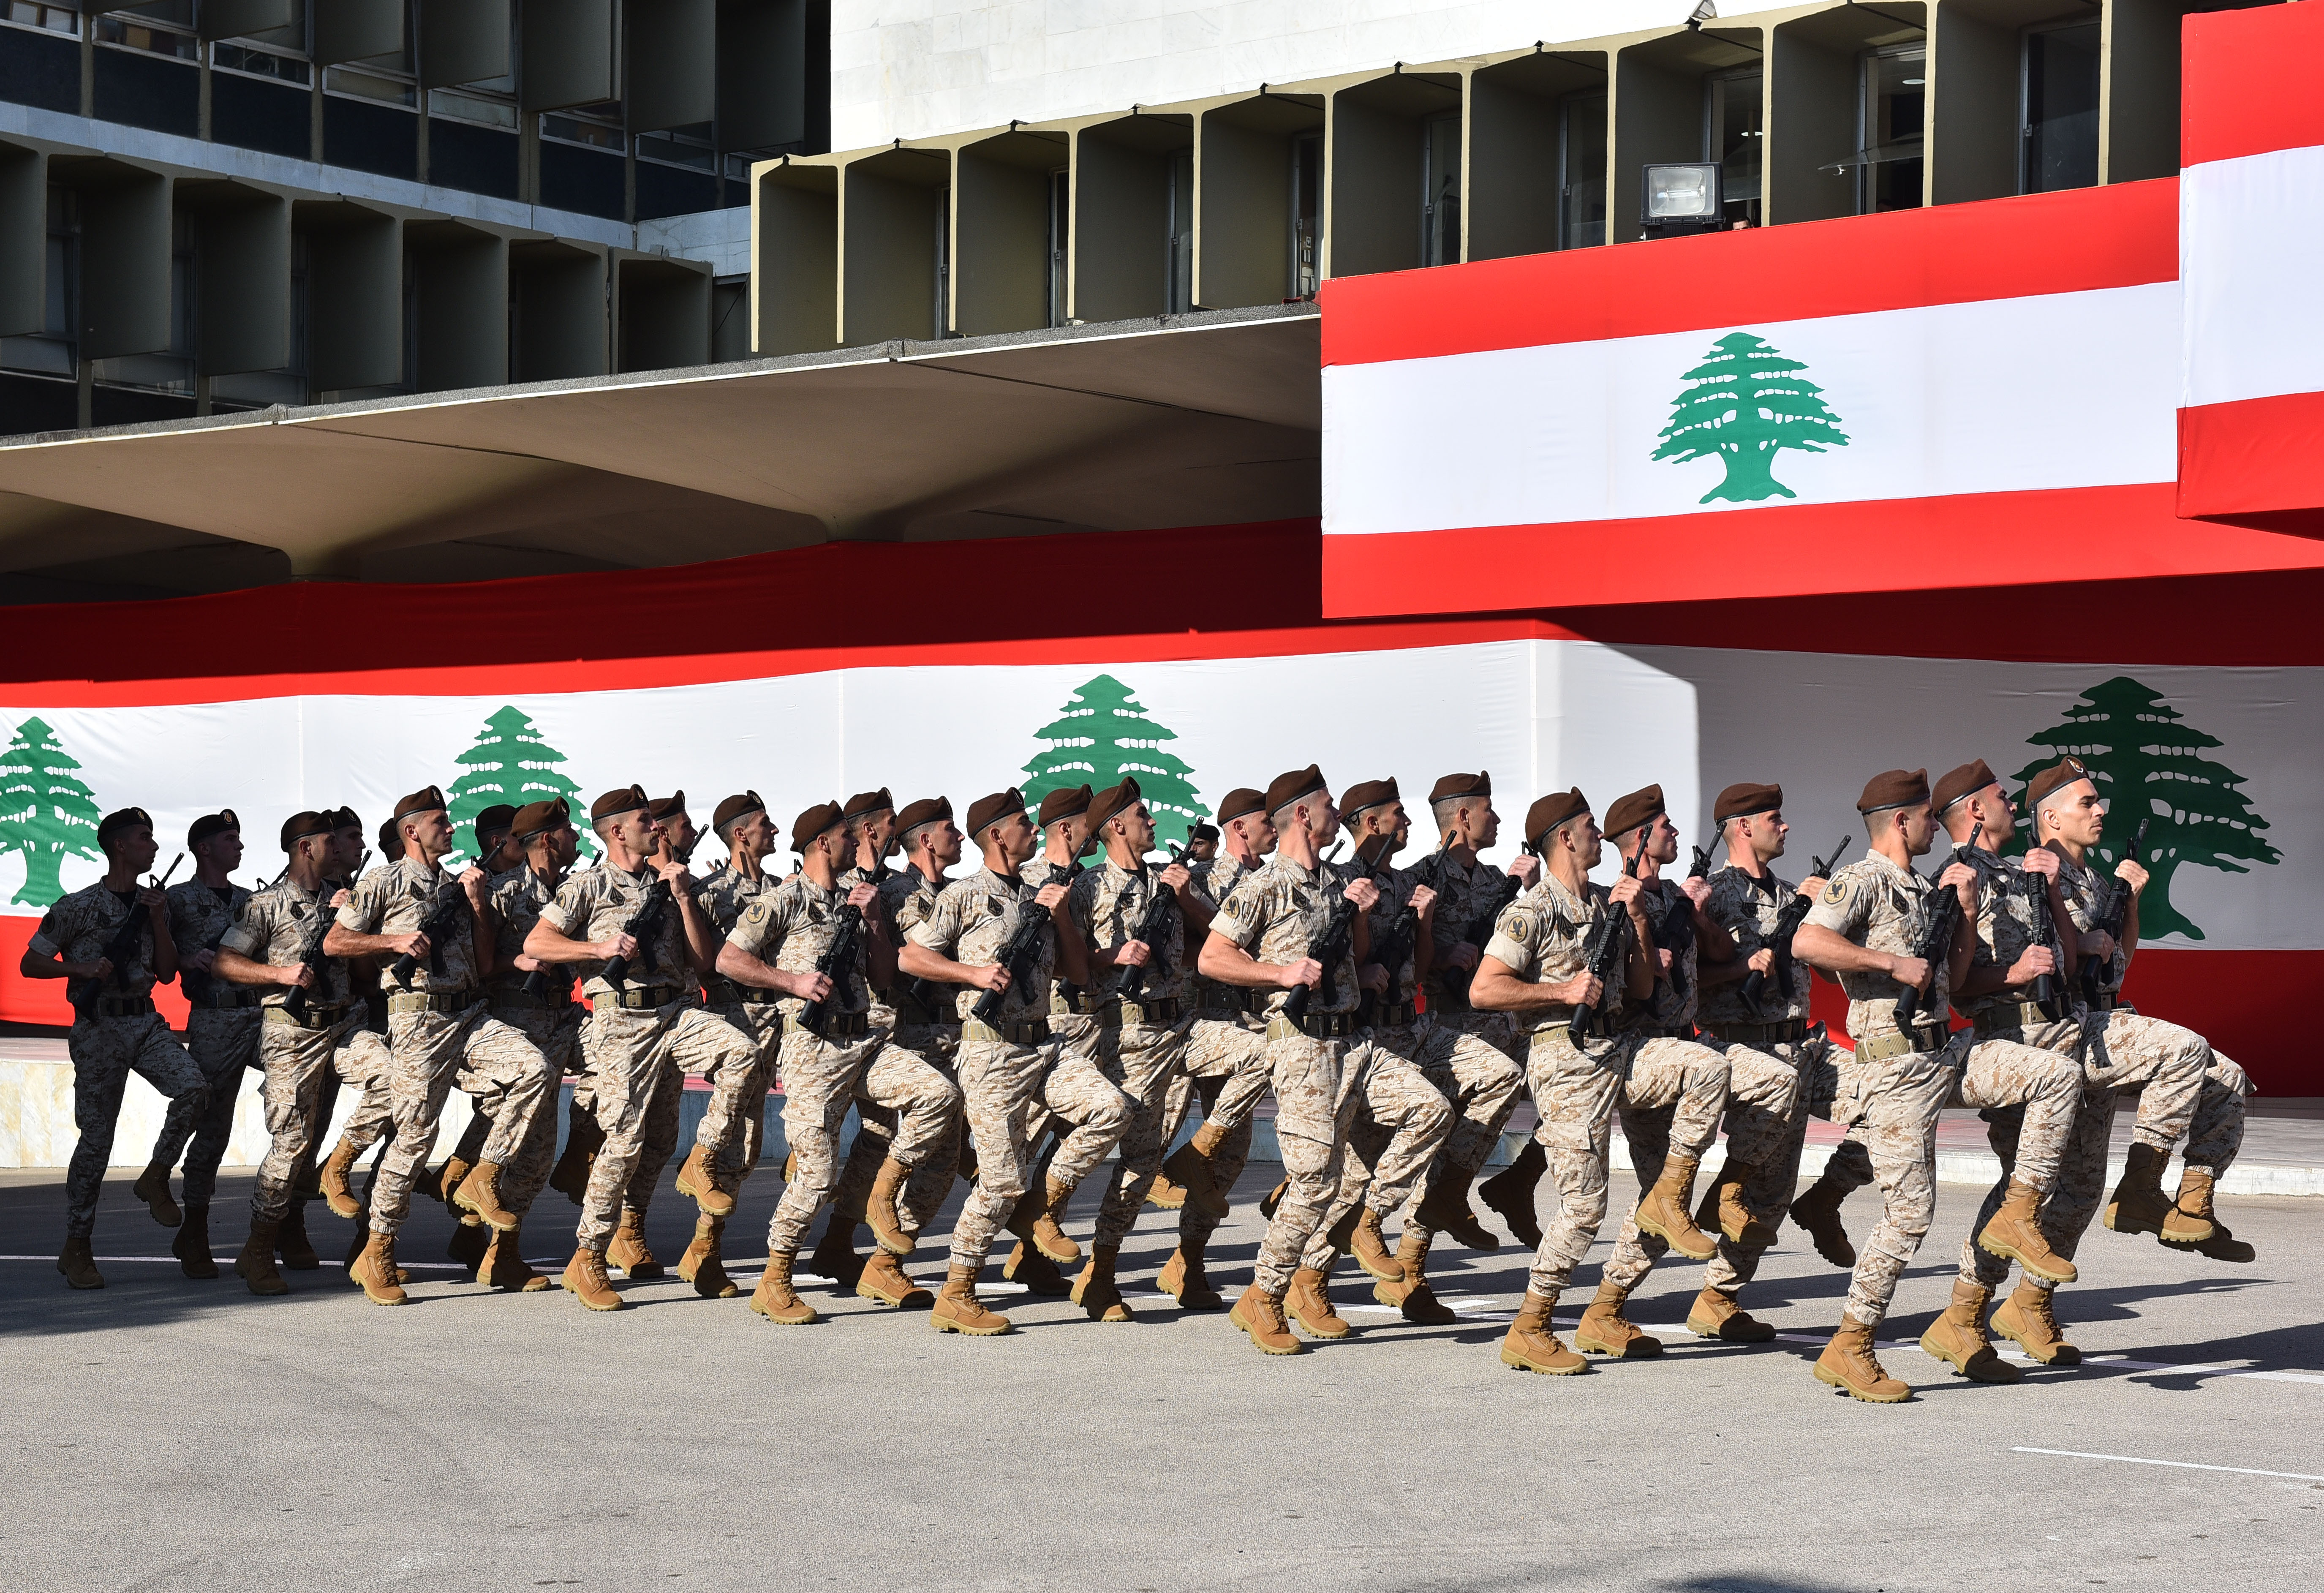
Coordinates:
256	115
576	179
2061	108
27	403
149	91
370	137
128	406
672	190
471	159
37	71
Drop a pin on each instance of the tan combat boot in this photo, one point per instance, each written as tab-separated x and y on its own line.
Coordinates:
1037	1272
2195	1204
833	1256
885	1283
776	1300
1531	1347
1716	1315
1510	1194
291	1240
454	1173
698	1181
470	1239
1046	1236
1184	1279
585	1278
1309	1304
2015	1234
2138	1204
1735	1219
1818	1212
1271	1201
255	1265
79	1265
628	1249
1095	1289
1194	1167
502	1266
152	1187
1164	1195
887	1230
704	1265
1849	1364
1446	1209
1663	1214
333	1178
191	1244
2029	1317
1409	1293
583	1140
376	1270
1958	1336
957	1309
1368	1246
1261	1315
479	1193
1605	1330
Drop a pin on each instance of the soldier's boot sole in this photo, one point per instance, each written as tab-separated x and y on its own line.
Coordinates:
1288	1345
2041	1264
1561	1362
1416	1302
1638	1346
797	1314
1742	1327
1871	1397
990	1325
889	1285
1976	1362
1164	1195
2043	1351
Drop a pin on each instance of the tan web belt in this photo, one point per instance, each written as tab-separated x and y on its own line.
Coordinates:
2011	1016
312	1017
836	1026
647	997
1126	1014
1315	1026
1897	1042
1031	1031
230	999
1789	1032
444	1001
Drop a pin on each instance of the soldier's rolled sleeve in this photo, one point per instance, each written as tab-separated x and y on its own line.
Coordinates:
940	930
1240	918
253	928
1845	908
1516	943
366	907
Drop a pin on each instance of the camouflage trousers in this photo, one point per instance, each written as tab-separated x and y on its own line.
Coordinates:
1314	1104
1006	1085
1894	1106
821	1080
1399	1127
1461	1055
1225	1066
1141	1061
296	1060
2129	1055
638	1058
365	1061
914	1045
1766	1132
557	1032
432	1051
105	1052
734	1127
222	1044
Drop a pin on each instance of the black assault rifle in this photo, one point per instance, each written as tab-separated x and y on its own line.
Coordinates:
1787	923
1151	925
310	954
2113	908
1674	932
443	920
122	947
1603	954
837	962
1398	943
1020	952
1480	930
2047	987
1936	934
645	928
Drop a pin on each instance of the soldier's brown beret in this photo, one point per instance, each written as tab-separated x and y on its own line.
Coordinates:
1556	809
1289	788
1742	801
121	819
346	819
661	807
615	804
1064	803
741	806
299	825
1111	801
1202	833
538	818
1455	786
1240	804
864	804
1641	807
2048	782
987	811
1365	794
212	823
927	810
814	821
1967	780
391	840
427	799
1894	787
495	820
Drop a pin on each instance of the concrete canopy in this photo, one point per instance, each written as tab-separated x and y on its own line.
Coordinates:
1205	419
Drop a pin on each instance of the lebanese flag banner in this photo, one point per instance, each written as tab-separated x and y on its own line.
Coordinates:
2251	433
2011	364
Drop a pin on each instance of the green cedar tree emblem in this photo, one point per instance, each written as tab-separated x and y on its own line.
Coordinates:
2147	762
510	763
1102	734
46	811
1744	403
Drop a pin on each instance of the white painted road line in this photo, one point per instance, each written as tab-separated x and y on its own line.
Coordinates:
2186	1465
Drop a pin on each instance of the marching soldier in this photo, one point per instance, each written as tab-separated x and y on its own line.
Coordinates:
1202	845
439	1028
221	1035
116	1031
498	854
498	851
367	1065
678	834
1868	928
647	944
1011	1065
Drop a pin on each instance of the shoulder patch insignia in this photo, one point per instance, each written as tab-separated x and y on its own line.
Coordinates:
1835	892
1517	925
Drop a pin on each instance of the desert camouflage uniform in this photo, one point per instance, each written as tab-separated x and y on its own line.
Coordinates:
106	1050
1668	1091
1224	1062
434	1049
1894	1102
1140	1047
735	1119
1007	1081
1767	1127
551	1022
273	928
640	1042
1067	1021
221	1035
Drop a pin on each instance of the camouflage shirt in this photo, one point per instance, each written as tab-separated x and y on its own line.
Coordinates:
1108	903
1747	909
726	890
790	929
518	899
1213	881
2005	930
1278	915
970	922
393	899
1543	938
2086	891
1463	895
76	929
1676	994
199	917
1396	886
908	895
1881	907
597	904
274	927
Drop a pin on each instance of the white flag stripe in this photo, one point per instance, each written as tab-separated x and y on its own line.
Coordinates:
2065	389
2251	233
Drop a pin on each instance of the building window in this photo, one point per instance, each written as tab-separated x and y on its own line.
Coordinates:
588	125
1440	190
1732	134
58	19
158	30
1581	171
1893	92
1306	215
2060	140
259	63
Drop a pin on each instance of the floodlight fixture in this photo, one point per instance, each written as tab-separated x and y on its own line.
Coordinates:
1682	197
1704	12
